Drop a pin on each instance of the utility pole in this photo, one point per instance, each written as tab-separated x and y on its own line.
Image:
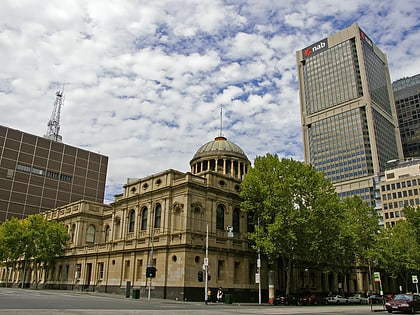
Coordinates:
259	264
206	265
153	241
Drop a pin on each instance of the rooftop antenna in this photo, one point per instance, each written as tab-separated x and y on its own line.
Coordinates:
54	122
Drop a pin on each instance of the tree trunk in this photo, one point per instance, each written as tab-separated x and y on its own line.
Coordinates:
288	273
7	274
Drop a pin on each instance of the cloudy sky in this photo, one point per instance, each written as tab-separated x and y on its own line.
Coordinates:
144	81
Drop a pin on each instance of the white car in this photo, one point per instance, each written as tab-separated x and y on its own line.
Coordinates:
358	299
336	299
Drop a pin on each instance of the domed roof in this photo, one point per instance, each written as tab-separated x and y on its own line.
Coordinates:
220	146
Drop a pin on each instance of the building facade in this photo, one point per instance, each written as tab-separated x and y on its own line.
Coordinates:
39	174
407	103
399	187
349	121
162	221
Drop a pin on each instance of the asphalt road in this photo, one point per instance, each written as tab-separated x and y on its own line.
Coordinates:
36	302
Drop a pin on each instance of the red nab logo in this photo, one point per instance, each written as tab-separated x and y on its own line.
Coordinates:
315	48
364	37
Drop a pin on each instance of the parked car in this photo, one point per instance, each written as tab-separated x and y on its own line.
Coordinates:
283	299
404	302
311	299
336	299
358	299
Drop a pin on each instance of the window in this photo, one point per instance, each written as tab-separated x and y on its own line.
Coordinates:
78	272
73	232
107	233
237	272
90	236
67	272
221	270
158	215
100	270
235	220
139	269
220	218
131	221
127	270
144	219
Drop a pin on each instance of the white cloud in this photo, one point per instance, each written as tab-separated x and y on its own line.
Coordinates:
144	80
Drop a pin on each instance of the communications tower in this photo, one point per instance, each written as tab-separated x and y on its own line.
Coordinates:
54	122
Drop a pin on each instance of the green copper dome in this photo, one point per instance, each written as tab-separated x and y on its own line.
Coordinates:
220	146
220	156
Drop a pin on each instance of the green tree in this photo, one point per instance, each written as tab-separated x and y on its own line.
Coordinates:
298	211
358	226
11	243
412	214
397	251
45	240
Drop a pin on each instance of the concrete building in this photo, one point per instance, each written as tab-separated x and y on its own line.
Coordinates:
399	187
349	121
407	103
39	174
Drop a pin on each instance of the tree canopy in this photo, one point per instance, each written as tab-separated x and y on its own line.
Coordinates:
397	248
298	211
33	238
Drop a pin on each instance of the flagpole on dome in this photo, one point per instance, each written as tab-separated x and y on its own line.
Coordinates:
221	121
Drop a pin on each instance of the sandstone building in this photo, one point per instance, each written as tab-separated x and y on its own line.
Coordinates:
161	221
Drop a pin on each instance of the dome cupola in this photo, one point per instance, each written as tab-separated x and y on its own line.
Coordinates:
222	156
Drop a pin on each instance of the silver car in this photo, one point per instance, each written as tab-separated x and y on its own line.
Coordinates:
358	299
336	299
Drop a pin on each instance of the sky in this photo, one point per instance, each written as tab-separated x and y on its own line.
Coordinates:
145	81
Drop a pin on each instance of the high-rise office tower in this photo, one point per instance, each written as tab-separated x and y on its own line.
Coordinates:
407	103
350	127
39	174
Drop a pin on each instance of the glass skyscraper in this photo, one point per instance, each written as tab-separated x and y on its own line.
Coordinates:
350	127
407	103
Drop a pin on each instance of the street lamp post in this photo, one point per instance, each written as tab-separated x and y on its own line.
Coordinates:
206	266
259	264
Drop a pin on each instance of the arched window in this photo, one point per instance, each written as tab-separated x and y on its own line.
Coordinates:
131	221
235	220
90	236
158	215
73	232
144	218
220	217
107	233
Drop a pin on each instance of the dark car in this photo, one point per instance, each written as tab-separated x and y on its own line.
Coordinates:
283	299
311	299
404	303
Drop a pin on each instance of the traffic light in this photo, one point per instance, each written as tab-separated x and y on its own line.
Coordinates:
200	276
150	272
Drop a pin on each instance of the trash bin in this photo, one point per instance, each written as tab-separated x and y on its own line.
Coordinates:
228	298
136	293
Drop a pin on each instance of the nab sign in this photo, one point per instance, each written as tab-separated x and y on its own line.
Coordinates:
315	48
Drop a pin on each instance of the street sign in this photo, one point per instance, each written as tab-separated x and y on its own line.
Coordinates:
206	261
414	279
377	276
257	278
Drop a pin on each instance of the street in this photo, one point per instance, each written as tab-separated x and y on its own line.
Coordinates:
36	302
